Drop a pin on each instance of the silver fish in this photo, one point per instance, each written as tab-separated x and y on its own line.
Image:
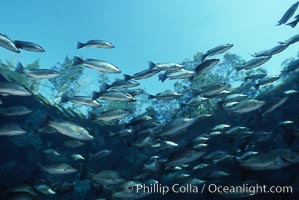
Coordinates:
98	65
247	106
275	106
70	129
110	115
56	169
82	100
275	50
253	63
8	43
114	96
11	129
180	74
165	96
15	89
217	50
15	111
28	46
37	73
184	157
206	66
165	66
100	154
96	43
288	14
107	177
266	80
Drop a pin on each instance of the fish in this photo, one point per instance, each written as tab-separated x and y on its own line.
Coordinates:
37	73
183	157
107	177
220	127
266	80
114	96
51	152
166	95
28	46
165	66
212	89
290	92
255	76
179	74
200	166
275	50
253	63
217	50
206	66
62	168
98	65
288	14
180	125
11	129
217	174
234	97
96	43
73	143
291	40
247	105
15	111
23	188
100	154
70	129
147	73
123	132
276	105
120	84
14	89
44	189
8	43
77	157
196	101
148	141
82	100
291	67
294	22
110	115
155	166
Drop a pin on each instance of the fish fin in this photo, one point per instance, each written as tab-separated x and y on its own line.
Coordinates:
293	23
80	45
64	98
105	87
95	95
152	65
20	68
127	77
77	61
151	96
162	77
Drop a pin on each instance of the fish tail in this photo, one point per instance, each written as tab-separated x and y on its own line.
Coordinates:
127	77
256	86
77	61
20	68
64	98
162	77
151	96
80	45
151	64
105	87
293	23
95	95
238	69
